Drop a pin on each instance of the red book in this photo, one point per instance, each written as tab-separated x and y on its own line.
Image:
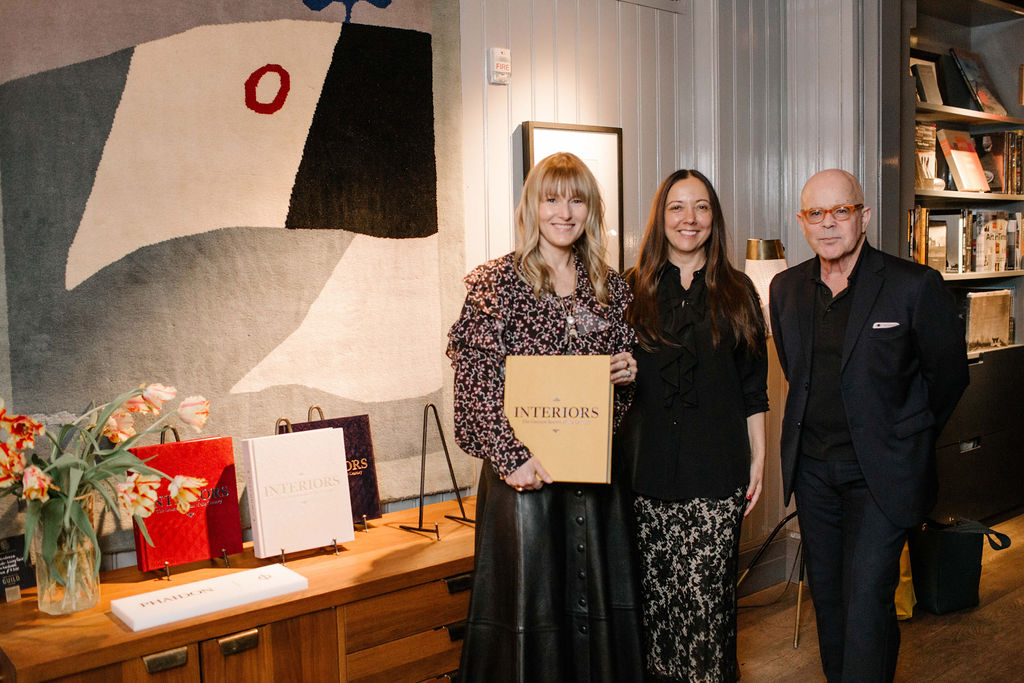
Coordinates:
212	525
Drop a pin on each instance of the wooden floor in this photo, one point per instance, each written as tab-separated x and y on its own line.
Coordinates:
980	645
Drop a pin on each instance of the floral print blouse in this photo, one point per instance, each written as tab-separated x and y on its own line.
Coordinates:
502	317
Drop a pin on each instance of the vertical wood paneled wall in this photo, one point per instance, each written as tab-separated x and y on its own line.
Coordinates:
757	94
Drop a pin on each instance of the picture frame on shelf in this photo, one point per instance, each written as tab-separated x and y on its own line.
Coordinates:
926	79
600	148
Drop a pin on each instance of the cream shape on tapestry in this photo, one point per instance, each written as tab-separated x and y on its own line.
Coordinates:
381	300
186	155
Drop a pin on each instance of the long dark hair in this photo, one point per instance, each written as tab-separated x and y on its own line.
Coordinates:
731	302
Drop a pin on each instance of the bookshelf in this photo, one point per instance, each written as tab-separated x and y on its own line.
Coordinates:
991	29
980	459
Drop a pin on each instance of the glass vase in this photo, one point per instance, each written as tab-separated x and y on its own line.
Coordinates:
70	584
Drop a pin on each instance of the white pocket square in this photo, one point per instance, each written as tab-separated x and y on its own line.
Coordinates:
884	326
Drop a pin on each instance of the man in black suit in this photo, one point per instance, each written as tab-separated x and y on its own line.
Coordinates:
874	352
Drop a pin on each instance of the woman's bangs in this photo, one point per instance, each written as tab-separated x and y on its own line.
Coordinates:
564	181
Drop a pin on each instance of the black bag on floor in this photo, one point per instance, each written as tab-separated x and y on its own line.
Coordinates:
946	563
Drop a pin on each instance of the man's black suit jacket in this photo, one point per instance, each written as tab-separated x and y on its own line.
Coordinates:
904	368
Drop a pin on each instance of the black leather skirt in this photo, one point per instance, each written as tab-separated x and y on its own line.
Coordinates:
555	594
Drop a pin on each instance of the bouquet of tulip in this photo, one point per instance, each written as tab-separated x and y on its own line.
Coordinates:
91	454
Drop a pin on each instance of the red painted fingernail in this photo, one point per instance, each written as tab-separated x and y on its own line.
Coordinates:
749	496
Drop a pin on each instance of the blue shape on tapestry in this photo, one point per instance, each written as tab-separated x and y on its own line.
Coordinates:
317	5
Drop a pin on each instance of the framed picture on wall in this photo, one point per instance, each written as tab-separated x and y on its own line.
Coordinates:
600	148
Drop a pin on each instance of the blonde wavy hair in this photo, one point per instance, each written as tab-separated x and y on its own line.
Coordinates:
561	174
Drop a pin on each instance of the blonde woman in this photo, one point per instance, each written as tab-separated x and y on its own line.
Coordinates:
553	596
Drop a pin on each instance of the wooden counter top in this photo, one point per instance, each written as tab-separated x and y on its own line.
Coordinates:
37	646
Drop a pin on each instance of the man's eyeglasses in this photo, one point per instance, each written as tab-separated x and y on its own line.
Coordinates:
841	212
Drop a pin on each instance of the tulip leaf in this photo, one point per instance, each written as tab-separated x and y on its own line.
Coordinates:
31	518
142	527
71	491
84	524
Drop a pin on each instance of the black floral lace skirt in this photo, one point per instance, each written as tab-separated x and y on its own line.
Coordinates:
555	591
688	555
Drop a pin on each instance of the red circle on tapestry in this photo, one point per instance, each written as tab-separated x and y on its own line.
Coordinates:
282	91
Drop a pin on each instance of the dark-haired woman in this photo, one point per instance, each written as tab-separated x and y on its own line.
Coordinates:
701	402
553	589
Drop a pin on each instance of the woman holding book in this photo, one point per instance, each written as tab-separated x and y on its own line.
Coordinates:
553	596
701	398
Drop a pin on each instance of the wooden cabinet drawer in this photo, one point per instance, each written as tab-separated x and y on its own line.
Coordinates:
406	612
415	658
303	648
177	665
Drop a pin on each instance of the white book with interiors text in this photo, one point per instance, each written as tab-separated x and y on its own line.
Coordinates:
298	493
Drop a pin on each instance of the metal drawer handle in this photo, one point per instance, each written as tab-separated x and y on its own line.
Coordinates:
168	659
459	582
456	631
239	642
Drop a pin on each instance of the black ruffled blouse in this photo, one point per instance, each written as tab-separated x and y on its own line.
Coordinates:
694	400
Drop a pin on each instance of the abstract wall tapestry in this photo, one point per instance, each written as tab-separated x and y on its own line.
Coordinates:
246	201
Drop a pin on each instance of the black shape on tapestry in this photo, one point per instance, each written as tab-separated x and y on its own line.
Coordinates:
368	165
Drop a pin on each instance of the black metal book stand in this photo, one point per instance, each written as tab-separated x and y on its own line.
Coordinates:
423	469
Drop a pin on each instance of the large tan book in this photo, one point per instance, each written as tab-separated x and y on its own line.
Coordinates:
560	407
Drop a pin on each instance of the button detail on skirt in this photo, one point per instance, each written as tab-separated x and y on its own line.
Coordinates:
580	520
580	547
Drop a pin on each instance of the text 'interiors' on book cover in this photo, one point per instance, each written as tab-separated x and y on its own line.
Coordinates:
298	491
560	407
359	460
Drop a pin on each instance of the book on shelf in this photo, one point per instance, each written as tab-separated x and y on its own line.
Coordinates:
954	87
1013	242
962	159
935	250
989	233
917	230
1014	162
359	461
16	574
297	487
560	407
990	153
927	81
975	75
957	256
211	527
924	151
987	316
